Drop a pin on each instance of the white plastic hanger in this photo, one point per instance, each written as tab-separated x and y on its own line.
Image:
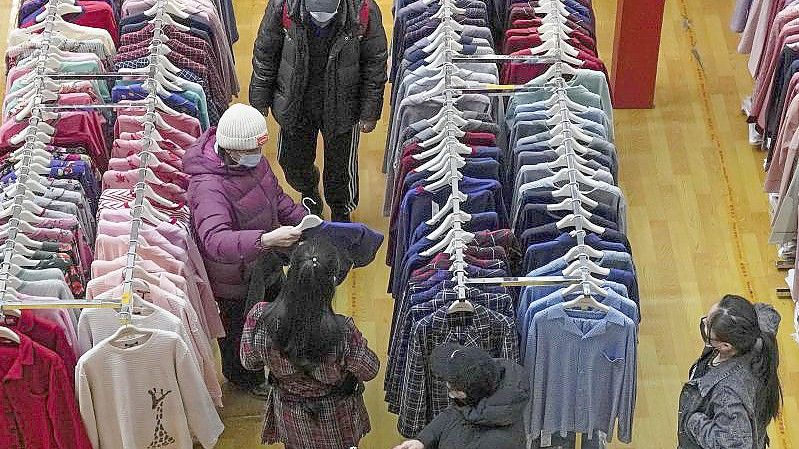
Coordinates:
444	181
35	150
570	221
62	9
586	302
585	264
461	216
167	79
446	168
450	131
445	210
22	226
26	205
22	239
448	147
465	237
565	176
35	167
460	306
578	162
20	259
43	161
438	39
27	110
171	8
582	250
567	192
168	20
30	132
308	222
450	8
149	213
568	204
441	157
576	132
127	333
7	334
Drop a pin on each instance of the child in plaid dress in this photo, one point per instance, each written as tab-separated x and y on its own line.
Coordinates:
317	360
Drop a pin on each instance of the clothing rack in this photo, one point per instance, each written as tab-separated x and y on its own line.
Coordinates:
127	299
32	132
450	94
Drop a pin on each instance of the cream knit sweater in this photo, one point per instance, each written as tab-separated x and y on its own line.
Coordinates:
147	396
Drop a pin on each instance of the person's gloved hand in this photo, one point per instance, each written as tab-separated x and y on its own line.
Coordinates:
282	237
410	444
367	126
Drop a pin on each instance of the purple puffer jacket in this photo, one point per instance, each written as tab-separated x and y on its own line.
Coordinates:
231	208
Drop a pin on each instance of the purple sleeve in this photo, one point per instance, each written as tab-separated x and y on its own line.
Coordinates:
212	216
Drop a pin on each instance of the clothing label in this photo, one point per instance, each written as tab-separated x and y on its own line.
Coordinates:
546	439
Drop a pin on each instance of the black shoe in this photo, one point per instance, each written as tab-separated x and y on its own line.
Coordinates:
313	201
340	217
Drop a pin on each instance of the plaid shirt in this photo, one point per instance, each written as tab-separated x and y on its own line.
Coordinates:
187	44
416	310
341	421
215	83
444	261
423	396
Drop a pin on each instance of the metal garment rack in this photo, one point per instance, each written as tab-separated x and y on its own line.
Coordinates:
585	279
127	299
451	92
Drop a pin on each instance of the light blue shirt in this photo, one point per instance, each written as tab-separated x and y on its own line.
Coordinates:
582	367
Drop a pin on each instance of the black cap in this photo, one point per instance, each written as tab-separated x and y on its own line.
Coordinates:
468	369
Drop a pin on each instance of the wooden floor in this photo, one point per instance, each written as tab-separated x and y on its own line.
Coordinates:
698	221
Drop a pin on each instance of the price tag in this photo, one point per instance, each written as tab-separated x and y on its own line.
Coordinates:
546	438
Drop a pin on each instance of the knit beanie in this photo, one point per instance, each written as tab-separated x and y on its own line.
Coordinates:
241	127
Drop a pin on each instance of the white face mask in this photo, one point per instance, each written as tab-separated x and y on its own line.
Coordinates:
250	160
322	11
323	18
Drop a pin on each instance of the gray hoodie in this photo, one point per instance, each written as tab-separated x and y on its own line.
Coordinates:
717	410
496	422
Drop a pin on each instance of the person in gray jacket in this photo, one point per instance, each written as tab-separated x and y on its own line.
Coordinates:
734	391
489	397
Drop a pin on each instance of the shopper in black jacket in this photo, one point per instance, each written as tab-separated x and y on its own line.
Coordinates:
320	65
490	398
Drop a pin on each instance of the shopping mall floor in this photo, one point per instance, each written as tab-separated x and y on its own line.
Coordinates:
698	221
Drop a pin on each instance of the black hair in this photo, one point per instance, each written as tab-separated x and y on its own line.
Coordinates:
301	321
478	382
736	322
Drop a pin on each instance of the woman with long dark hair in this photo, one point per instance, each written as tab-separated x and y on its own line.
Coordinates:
734	391
317	359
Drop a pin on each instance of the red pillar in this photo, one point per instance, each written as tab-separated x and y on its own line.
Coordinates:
635	53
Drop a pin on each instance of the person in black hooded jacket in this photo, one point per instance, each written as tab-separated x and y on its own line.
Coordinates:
321	66
489	398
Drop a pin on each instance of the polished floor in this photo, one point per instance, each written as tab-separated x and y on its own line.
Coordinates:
698	221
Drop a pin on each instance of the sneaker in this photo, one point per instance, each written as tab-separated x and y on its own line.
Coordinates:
340	217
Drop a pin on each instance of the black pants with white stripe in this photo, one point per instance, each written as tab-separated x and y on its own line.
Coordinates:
297	153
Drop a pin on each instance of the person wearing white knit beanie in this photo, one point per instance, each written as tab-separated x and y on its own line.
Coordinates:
243	219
